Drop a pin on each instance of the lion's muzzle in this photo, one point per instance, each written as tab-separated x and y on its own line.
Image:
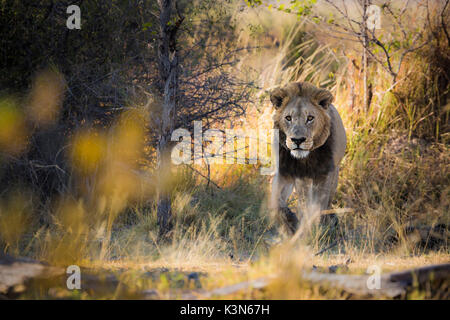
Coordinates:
300	147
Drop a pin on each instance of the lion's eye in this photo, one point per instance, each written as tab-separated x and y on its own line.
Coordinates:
309	118
288	118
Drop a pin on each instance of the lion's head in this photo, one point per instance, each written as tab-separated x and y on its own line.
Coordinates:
301	116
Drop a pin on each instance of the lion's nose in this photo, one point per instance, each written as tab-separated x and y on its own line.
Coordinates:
298	141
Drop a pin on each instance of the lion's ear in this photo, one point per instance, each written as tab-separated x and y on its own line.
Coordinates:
277	96
324	98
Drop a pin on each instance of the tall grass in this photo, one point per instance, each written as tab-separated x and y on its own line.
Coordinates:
394	181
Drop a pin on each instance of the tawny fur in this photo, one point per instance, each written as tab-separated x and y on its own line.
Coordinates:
310	150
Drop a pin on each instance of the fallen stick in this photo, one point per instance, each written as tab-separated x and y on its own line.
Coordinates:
259	283
337	211
392	285
15	272
334	244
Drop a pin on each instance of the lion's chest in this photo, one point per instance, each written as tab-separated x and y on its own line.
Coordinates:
316	166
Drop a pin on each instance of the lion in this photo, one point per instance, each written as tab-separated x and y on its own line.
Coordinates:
312	143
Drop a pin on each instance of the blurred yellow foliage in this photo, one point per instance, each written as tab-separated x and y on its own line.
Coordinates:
13	130
88	151
69	243
128	137
14	219
71	217
46	97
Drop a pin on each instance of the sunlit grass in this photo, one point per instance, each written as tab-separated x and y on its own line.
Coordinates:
106	219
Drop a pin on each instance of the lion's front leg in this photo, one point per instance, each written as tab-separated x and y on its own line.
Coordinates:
316	196
303	189
325	190
321	191
281	190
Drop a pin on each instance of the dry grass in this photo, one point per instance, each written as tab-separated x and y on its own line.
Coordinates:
393	178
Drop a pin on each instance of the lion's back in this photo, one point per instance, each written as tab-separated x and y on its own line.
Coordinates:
340	138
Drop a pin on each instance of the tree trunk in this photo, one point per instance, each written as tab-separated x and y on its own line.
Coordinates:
365	61
168	70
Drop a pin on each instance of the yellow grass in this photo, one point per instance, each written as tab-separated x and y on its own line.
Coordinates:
388	182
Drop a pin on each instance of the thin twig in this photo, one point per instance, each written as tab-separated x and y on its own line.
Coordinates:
202	175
